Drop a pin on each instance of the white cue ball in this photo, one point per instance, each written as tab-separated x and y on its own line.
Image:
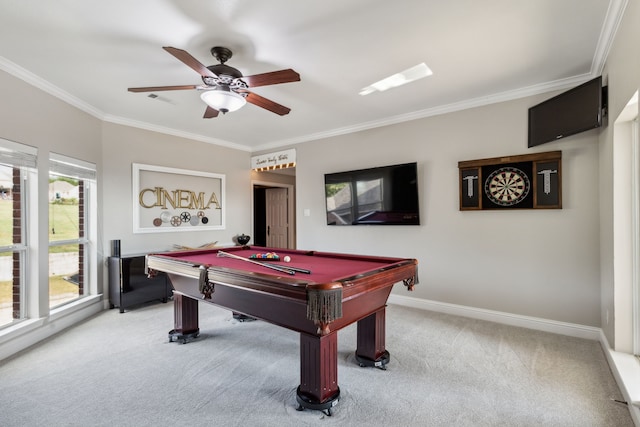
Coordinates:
287	258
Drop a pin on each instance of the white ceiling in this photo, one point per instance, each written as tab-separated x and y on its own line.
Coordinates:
89	52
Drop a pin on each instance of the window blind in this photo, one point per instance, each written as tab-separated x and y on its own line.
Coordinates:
17	155
67	166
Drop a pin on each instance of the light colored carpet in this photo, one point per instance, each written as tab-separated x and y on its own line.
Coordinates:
120	370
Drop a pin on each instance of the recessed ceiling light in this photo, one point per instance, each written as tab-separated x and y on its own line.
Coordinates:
407	76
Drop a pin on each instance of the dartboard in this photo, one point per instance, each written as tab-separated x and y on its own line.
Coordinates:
507	186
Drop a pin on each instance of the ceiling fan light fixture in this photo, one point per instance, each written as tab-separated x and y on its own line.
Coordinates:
223	99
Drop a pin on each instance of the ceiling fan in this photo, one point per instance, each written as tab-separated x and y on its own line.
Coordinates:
225	89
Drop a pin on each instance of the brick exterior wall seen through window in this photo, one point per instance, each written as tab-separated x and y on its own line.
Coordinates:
81	235
17	238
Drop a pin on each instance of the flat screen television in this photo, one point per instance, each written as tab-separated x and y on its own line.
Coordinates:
386	195
571	112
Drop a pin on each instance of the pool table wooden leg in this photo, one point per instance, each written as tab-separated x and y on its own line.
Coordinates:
185	318
371	349
318	372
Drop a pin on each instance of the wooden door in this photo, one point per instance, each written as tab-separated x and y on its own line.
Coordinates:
277	207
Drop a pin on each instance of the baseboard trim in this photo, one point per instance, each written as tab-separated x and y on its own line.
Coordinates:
562	328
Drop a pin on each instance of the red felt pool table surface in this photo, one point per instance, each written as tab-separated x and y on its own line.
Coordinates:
324	267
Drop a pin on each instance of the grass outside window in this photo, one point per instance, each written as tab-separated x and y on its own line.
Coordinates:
63	216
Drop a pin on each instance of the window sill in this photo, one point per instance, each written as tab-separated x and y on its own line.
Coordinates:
20	328
28	326
72	307
628	368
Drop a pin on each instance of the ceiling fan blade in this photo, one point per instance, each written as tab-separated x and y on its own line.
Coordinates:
272	78
190	61
159	88
267	104
210	113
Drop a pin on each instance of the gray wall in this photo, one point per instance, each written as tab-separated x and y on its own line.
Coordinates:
124	145
542	263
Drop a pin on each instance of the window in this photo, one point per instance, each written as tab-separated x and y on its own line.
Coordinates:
71	183
369	196
339	203
17	171
343	208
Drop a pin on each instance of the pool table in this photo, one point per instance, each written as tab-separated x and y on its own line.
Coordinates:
325	293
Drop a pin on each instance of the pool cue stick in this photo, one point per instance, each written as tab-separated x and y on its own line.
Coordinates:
296	269
273	267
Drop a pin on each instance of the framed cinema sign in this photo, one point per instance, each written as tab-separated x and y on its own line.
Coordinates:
169	200
528	181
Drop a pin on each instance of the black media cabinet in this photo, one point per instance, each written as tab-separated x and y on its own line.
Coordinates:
130	286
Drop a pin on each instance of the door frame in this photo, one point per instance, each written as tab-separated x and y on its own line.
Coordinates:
291	212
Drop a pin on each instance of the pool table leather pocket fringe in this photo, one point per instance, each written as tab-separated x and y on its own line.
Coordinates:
204	286
324	304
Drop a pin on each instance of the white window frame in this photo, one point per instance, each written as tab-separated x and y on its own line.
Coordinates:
24	158
62	165
635	187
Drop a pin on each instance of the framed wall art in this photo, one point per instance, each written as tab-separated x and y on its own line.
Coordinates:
170	200
528	181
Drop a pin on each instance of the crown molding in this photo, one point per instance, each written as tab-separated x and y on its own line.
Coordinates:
34	80
175	132
436	111
612	21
